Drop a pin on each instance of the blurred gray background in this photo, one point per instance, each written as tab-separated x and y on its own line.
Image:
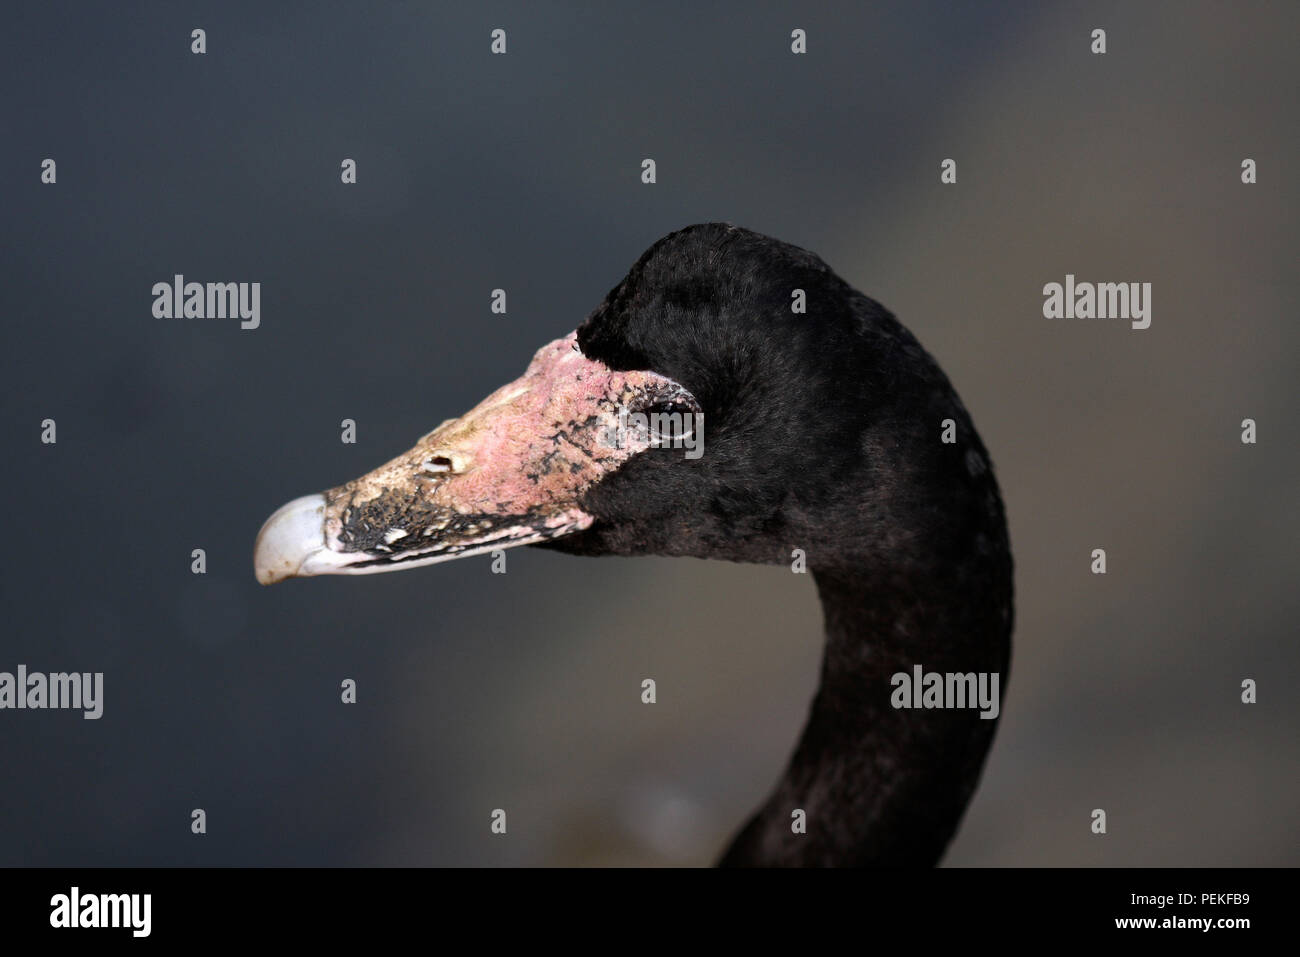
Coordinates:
479	691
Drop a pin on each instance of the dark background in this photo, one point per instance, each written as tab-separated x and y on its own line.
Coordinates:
521	691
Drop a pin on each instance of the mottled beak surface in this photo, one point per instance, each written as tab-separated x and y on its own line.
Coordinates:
511	471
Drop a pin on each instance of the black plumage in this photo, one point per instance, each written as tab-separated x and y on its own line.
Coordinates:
823	433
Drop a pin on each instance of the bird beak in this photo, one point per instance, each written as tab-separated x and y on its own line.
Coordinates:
511	471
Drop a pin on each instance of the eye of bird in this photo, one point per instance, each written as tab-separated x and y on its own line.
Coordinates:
671	419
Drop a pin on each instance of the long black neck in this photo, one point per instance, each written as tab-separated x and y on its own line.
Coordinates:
879	785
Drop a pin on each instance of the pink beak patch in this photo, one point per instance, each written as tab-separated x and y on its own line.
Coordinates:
509	472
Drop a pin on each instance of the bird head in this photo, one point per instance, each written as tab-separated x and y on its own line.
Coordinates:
699	410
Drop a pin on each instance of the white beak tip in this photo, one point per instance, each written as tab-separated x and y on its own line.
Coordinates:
294	532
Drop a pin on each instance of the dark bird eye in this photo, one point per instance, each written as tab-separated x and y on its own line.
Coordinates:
671	419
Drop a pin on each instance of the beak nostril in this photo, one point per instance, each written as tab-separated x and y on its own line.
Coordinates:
438	464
